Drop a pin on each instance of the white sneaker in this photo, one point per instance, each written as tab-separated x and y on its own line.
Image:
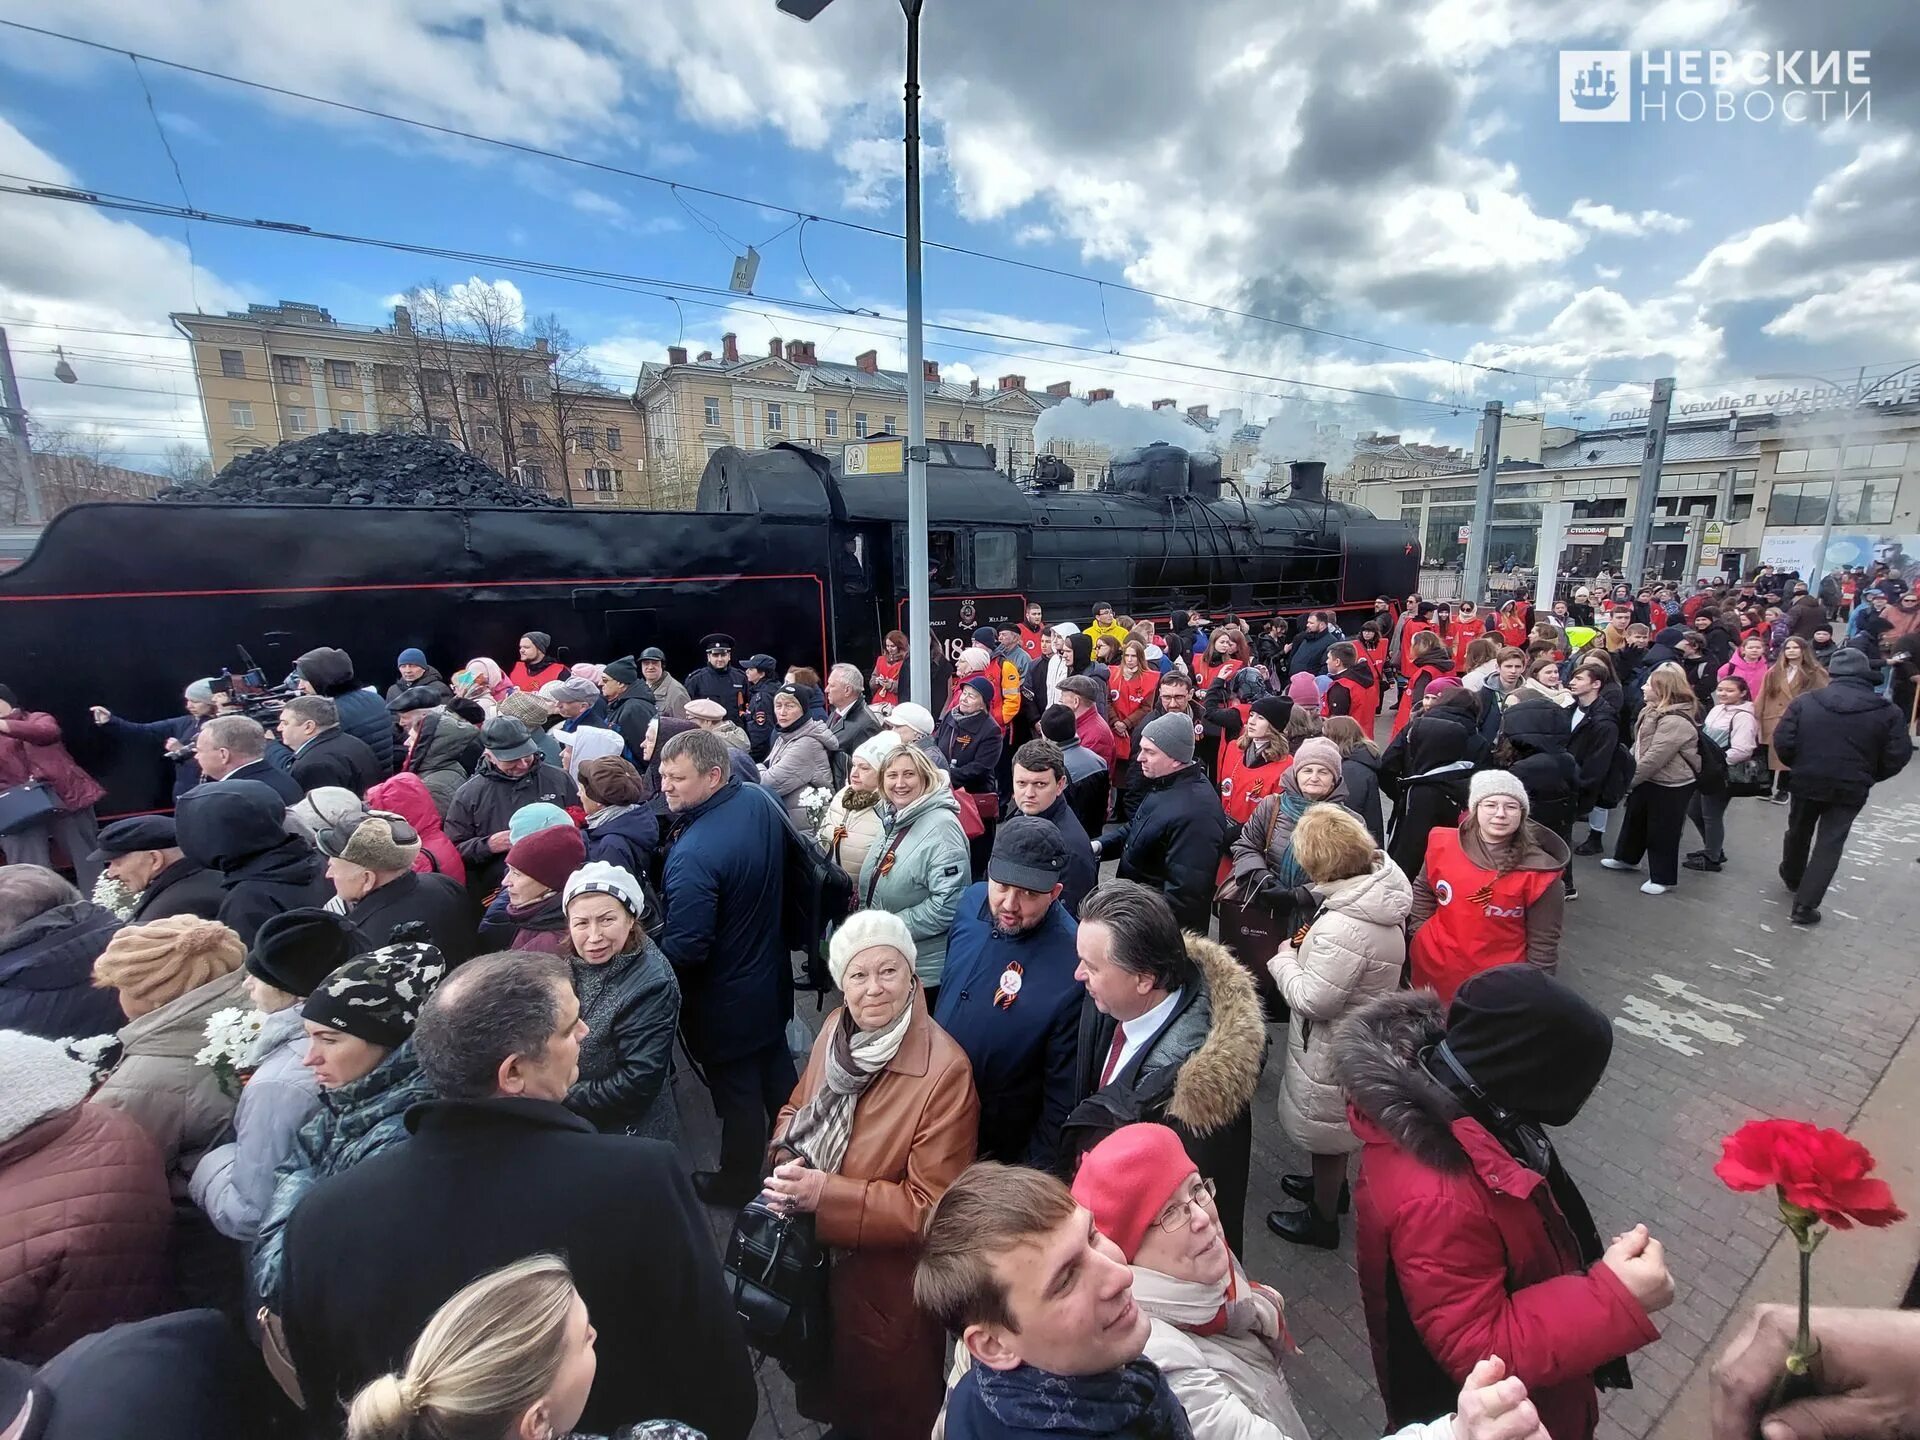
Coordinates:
1651	888
1609	863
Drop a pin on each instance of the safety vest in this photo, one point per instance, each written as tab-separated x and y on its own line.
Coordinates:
1205	674
1405	711
1243	786
886	680
1363	702
1479	918
1034	642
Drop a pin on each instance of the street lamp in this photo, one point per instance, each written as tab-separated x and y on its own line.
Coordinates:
919	594
1861	390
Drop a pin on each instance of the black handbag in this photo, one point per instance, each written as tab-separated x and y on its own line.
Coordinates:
25	805
777	1274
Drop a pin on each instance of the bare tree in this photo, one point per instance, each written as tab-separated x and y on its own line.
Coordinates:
184	464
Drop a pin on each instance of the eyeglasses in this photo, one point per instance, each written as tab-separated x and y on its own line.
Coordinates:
1179	1215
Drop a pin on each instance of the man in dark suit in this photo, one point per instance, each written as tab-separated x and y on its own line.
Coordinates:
323	753
848	716
497	1169
234	747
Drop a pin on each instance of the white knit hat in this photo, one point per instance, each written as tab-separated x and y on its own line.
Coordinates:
863	930
1488	783
915	716
598	877
875	749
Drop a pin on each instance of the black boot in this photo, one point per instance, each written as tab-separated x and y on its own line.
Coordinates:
1300	1187
1305	1227
1592	845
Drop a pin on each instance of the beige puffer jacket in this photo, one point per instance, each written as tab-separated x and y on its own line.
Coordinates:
1666	748
157	1082
849	828
1352	953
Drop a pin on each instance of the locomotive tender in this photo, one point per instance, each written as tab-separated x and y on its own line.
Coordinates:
791	552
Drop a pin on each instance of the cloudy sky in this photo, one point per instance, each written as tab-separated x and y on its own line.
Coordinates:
1390	171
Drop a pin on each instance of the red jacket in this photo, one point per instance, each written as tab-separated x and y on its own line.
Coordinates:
1461	1250
407	796
1034	642
31	749
1095	733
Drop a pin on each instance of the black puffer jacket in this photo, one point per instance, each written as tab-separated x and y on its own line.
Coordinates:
362	711
1427	770
1841	740
1536	734
1593	740
46	974
1174	843
1361	770
482	807
238	828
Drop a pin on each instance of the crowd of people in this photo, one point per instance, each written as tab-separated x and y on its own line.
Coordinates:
357	1079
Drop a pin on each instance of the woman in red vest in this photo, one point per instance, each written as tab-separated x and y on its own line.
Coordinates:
886	670
1251	767
1428	662
1489	893
1511	628
1227	651
1131	686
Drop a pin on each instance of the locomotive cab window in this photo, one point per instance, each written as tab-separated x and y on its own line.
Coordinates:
943	558
996	560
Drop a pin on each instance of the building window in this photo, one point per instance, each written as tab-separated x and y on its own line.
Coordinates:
442	430
533	475
774	416
710	416
886	426
392	380
1891	455
529	387
350	422
239	415
613	437
860	424
434	381
832	423
290	369
296	421
233	364
583	437
600	477
946	431
969	432
483	434
340	374
393	424
529	433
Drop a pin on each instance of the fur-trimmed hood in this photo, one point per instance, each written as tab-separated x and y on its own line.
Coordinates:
1377	1062
1224	1036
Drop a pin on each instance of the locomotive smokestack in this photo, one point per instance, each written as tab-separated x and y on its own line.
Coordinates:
1309	479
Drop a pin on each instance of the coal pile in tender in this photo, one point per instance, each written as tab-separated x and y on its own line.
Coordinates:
339	468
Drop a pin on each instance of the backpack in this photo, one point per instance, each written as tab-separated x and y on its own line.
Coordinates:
815	895
1618	779
1712	769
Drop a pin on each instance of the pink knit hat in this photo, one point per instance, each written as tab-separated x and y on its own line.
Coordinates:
1127	1179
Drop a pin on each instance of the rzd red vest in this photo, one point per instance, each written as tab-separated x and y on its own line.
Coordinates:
1363	702
1243	786
1405	712
1479	918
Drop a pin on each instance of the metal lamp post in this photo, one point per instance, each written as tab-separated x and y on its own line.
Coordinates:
919	590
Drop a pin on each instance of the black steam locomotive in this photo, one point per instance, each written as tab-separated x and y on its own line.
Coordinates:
790	551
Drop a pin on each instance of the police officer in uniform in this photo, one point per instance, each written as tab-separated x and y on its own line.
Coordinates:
720	680
762	683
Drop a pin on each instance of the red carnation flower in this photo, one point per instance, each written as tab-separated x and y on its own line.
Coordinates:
1820	1171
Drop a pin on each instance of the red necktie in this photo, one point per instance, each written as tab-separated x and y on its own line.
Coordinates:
1113	1054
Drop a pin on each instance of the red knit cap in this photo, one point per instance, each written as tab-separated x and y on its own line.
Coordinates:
1127	1179
549	856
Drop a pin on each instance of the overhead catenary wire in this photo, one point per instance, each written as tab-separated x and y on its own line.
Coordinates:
44	190
677	186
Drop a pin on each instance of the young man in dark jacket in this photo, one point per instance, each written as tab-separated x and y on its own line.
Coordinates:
238	827
327	671
511	776
1839	741
1089	789
323	753
1041	789
723	888
1008	996
1174	841
506	1170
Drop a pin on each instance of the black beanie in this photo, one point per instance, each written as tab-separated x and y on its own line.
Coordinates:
542	641
297	949
623	671
1276	710
1058	725
1535	1046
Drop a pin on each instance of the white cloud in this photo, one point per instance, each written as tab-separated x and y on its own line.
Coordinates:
592	202
68	272
1606	219
1878	306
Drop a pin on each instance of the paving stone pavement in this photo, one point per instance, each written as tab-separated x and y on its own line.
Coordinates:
1723	1011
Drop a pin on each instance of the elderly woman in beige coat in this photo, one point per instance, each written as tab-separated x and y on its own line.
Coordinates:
1350	951
852	822
172	974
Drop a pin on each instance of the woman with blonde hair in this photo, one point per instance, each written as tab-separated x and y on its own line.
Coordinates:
511	1355
918	866
1350	949
1795	673
1666	756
